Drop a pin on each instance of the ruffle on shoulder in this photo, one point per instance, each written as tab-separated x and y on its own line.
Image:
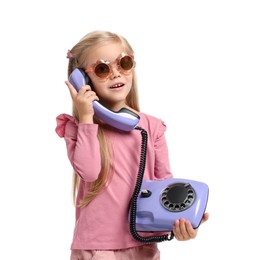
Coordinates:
61	122
162	128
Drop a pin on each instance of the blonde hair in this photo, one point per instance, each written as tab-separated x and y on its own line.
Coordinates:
78	60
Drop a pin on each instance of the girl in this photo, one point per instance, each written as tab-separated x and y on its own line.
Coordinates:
105	159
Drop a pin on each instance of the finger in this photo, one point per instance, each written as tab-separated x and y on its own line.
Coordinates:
205	218
183	229
191	232
84	89
176	230
91	95
72	90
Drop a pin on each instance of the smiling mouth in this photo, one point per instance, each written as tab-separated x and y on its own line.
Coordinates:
116	86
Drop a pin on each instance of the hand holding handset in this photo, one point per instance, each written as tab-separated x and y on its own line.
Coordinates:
124	119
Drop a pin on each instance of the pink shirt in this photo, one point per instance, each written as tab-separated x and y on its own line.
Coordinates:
103	224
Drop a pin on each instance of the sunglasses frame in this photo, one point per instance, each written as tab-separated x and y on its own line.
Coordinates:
110	66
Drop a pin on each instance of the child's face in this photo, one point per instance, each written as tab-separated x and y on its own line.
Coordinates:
114	89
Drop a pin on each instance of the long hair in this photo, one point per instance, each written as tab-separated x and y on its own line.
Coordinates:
78	60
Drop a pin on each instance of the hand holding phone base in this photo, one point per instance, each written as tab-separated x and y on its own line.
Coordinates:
124	119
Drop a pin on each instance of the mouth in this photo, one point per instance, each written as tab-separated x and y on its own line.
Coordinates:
117	86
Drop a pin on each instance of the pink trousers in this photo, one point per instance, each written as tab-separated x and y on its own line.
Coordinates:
145	252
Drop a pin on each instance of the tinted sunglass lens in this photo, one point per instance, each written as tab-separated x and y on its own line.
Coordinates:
102	70
126	63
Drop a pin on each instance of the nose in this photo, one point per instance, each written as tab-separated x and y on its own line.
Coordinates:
114	72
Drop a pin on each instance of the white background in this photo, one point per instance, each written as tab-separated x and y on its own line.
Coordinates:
195	64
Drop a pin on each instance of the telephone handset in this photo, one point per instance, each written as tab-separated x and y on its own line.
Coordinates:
124	119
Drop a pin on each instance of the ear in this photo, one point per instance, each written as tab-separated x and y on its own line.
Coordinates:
89	81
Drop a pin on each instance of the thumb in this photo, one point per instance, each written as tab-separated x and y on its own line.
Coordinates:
205	218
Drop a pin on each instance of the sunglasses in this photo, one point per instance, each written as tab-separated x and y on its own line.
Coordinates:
103	69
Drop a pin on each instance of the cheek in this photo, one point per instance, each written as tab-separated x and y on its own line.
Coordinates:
99	88
95	85
129	80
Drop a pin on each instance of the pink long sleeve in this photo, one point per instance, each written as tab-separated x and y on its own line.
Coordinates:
83	148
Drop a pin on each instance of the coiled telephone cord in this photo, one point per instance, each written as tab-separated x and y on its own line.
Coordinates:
133	202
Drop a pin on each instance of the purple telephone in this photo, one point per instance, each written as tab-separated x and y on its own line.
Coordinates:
156	204
124	119
161	202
